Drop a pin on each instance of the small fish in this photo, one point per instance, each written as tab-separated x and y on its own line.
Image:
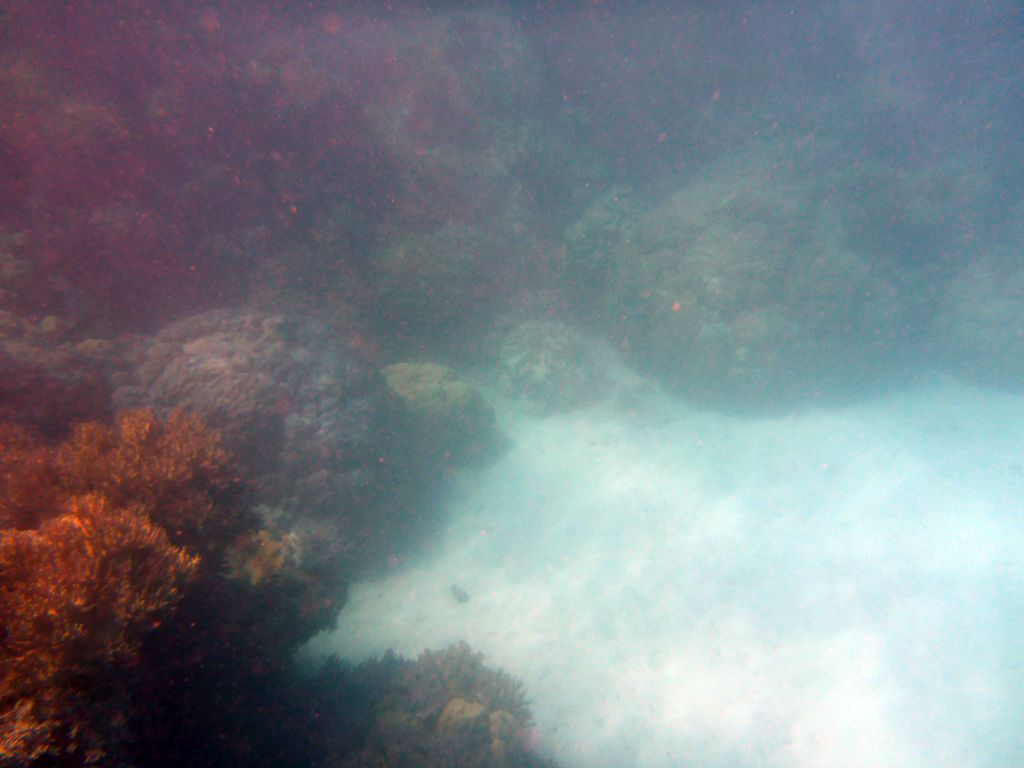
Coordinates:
460	595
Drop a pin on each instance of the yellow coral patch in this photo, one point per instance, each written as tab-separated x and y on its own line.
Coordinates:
458	713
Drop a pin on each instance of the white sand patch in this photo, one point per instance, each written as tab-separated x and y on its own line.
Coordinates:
828	589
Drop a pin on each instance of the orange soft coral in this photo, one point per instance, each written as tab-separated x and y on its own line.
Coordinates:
29	489
93	538
76	597
176	471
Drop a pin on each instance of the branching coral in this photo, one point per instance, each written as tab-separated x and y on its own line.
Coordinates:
445	708
175	470
93	538
439	676
29	490
76	596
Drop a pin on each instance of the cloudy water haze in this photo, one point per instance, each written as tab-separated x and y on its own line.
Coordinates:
584	384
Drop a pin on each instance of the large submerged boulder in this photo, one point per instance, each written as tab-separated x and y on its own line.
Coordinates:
550	366
980	327
298	407
442	97
447	421
743	289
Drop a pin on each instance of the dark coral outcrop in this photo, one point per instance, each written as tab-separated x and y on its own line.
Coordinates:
299	408
744	288
445	708
445	420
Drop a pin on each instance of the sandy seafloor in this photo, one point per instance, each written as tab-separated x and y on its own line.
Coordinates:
832	588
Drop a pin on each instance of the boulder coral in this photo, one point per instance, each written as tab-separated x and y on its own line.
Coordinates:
299	408
744	289
450	423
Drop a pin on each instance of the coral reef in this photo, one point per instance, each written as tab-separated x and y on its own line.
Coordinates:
744	289
300	410
30	490
76	597
449	421
128	181
101	537
49	380
176	470
551	366
217	679
443	709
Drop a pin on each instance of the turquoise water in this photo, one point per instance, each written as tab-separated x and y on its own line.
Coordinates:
836	587
670	354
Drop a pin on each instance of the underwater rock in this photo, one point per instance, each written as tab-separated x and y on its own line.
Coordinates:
445	708
741	289
297	406
591	242
551	366
449	422
980	327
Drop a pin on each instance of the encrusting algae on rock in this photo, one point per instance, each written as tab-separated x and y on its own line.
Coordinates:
449	420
